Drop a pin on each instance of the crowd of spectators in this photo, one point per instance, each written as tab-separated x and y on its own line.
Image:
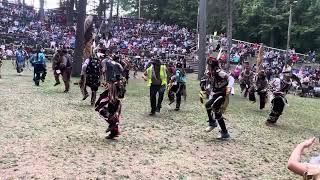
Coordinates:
136	37
143	39
132	37
20	25
303	66
273	58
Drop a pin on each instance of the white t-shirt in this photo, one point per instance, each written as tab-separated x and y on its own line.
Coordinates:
9	52
16	23
10	30
53	44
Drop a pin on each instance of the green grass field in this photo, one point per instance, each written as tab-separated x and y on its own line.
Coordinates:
46	134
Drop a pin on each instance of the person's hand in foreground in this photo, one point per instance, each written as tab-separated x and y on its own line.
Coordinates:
294	163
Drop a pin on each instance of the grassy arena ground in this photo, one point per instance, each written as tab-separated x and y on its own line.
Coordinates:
46	134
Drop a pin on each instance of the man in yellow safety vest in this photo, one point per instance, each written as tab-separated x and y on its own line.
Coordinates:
156	77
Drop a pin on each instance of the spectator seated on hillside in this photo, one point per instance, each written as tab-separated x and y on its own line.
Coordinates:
236	58
18	23
224	58
237	71
312	56
295	58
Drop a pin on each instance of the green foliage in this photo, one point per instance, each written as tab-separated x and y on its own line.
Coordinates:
181	12
263	21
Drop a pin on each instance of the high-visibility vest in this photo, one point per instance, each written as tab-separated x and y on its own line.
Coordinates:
163	75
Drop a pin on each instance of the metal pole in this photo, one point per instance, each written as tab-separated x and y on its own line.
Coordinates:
289	35
139	9
202	38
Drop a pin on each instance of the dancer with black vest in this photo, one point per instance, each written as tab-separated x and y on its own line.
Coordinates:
90	77
217	84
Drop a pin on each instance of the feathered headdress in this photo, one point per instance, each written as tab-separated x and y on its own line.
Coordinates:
88	37
260	58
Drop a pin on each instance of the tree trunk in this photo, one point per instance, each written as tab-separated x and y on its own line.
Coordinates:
76	3
118	6
70	12
272	36
229	31
110	16
139	9
104	10
24	2
202	18
41	12
78	54
61	4
73	3
100	9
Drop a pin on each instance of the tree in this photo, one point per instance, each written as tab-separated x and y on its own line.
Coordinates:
100	9
41	12
273	29
76	4
104	12
306	26
68	7
188	11
216	15
70	12
118	6
260	21
111	14
202	38
78	54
